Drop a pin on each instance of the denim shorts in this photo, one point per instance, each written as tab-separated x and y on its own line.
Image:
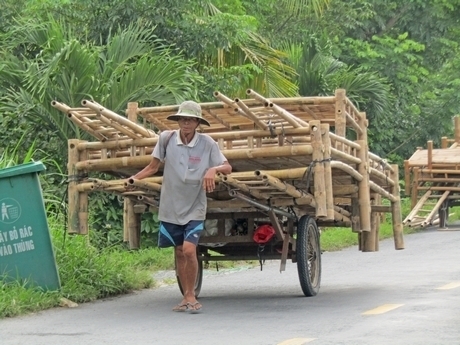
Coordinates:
173	235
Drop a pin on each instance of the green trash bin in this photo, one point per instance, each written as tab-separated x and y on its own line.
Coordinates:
26	252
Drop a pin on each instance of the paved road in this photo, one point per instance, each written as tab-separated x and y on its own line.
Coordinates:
388	297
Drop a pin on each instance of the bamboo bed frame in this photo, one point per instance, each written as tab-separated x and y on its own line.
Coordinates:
289	156
432	180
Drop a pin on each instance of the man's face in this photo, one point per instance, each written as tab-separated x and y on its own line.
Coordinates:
188	124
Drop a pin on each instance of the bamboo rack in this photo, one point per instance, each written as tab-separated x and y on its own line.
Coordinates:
282	150
432	179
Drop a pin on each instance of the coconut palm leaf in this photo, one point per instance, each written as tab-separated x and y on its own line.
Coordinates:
319	73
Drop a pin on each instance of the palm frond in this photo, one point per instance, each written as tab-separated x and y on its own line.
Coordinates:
298	7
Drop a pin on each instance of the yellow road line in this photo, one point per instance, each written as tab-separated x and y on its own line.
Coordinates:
449	286
296	341
382	309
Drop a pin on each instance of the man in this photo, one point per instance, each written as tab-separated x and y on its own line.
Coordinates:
192	161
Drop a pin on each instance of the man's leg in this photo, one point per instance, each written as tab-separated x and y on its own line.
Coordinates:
187	270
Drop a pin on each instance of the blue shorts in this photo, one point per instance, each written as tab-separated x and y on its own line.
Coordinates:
173	235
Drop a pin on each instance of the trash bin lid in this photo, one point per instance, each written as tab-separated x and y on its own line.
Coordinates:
21	169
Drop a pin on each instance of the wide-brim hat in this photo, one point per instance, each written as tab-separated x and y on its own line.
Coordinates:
189	109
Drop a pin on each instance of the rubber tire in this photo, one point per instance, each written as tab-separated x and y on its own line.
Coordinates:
308	253
198	282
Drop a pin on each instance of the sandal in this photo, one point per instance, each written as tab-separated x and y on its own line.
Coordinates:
181	307
194	308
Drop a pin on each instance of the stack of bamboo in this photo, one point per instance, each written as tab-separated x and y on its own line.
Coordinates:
282	151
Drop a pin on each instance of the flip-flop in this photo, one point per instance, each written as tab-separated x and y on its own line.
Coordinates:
181	307
194	308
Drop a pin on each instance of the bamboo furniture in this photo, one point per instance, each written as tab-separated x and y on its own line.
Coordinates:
294	166
432	180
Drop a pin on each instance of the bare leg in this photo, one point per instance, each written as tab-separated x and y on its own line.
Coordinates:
187	270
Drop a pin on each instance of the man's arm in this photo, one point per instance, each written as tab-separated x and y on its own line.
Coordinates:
209	183
149	170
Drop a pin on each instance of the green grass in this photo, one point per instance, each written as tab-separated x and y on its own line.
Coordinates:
86	274
17	299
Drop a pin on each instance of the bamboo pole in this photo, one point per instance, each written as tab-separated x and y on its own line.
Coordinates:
336	154
440	188
438	171
396	211
435	209
240	185
355	221
143	184
283	174
340	117
224	99
318	170
382	162
142	161
83	199
117	126
348	169
439	179
83	125
73	193
68	111
285	187
351	144
318	100
342	190
148	200
414	187
353	124
85	187
376	188
430	153
368	238
117	144
444	142
125	220
291	119
244	108
380	177
407	180
134	229
363	193
376	219
120	119
327	171
287	116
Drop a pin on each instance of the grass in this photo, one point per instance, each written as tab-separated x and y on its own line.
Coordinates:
86	274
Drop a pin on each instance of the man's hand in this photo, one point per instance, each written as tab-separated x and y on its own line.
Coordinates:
209	183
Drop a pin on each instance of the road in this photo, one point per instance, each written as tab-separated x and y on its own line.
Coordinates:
388	297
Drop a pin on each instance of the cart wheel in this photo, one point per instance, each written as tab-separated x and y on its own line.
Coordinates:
308	256
443	214
199	278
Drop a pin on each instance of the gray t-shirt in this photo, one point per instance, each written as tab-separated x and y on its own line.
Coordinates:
182	196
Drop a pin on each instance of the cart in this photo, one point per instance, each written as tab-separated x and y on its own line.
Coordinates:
295	170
